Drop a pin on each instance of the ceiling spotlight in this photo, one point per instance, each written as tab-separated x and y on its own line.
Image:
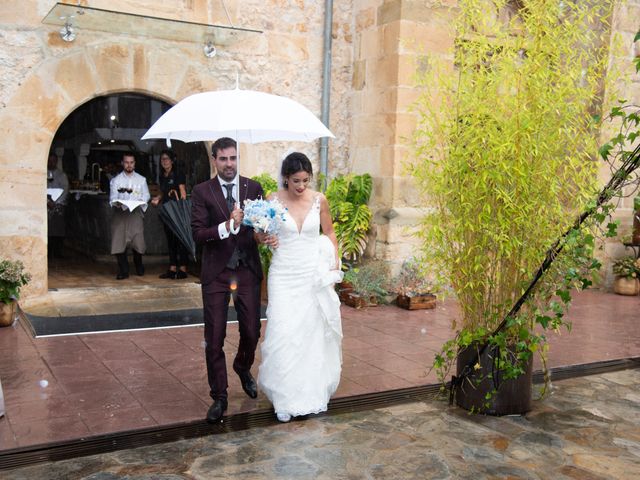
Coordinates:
68	33
209	50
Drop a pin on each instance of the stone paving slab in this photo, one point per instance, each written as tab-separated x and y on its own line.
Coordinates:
588	428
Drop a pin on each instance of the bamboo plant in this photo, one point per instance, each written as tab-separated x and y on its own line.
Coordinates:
505	148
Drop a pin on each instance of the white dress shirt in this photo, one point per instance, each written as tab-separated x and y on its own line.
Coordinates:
222	228
135	182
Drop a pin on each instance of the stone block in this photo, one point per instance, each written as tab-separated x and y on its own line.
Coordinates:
405	126
114	66
75	76
23	188
368	159
196	80
25	145
18	58
358	81
391	38
292	48
626	18
160	80
23	13
435	36
383	72
365	19
406	193
397	155
369	45
382	192
378	101
402	248
31	250
372	130
24	221
406	97
390	11
39	103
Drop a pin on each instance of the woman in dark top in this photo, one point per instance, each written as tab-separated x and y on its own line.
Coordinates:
172	186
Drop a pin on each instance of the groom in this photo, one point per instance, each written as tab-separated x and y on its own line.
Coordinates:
230	266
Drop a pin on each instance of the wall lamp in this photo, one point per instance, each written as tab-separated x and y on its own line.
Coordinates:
209	50
68	33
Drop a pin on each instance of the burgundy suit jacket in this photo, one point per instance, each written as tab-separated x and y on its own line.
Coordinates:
208	210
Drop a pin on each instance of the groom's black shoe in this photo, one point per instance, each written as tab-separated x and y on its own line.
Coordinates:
216	410
248	383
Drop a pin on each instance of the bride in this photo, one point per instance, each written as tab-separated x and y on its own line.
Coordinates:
301	351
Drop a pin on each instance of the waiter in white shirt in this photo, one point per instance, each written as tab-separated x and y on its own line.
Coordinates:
127	227
56	179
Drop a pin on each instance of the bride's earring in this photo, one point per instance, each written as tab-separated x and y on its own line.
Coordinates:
286	184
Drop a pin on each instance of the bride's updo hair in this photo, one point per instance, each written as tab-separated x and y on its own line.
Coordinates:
293	163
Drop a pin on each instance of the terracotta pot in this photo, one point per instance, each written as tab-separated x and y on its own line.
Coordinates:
7	313
417	302
626	286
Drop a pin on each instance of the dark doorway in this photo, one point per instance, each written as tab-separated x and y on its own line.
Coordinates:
89	146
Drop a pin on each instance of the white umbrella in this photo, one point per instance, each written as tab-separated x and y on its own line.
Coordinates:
247	116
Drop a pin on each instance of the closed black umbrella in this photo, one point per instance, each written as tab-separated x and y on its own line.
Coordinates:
177	216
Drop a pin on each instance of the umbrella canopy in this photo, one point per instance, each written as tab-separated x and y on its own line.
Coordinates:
247	116
177	216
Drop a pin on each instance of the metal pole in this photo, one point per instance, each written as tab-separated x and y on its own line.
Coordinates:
326	84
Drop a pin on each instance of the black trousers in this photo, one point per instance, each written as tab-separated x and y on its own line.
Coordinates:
178	255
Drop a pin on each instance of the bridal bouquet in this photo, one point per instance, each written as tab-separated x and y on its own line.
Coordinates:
264	216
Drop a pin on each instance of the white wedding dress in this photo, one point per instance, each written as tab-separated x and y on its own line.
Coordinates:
301	351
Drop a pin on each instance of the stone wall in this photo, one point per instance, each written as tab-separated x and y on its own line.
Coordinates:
376	47
43	79
391	36
626	23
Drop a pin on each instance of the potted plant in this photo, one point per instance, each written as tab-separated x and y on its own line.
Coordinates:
504	180
627	271
269	185
414	289
348	196
368	285
12	279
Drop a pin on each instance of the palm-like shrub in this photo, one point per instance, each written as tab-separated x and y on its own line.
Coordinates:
348	196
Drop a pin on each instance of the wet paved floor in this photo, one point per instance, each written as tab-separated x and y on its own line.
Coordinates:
77	386
587	429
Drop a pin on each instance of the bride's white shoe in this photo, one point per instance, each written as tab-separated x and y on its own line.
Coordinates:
283	417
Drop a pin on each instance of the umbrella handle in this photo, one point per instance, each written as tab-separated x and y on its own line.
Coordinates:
174	192
232	227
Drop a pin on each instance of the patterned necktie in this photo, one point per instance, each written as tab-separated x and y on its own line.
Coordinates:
230	201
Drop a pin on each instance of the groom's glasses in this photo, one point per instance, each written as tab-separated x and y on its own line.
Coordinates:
125	190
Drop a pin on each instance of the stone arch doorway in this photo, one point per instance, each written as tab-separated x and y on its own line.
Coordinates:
89	145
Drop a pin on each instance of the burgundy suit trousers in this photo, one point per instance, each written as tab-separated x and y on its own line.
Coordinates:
246	298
